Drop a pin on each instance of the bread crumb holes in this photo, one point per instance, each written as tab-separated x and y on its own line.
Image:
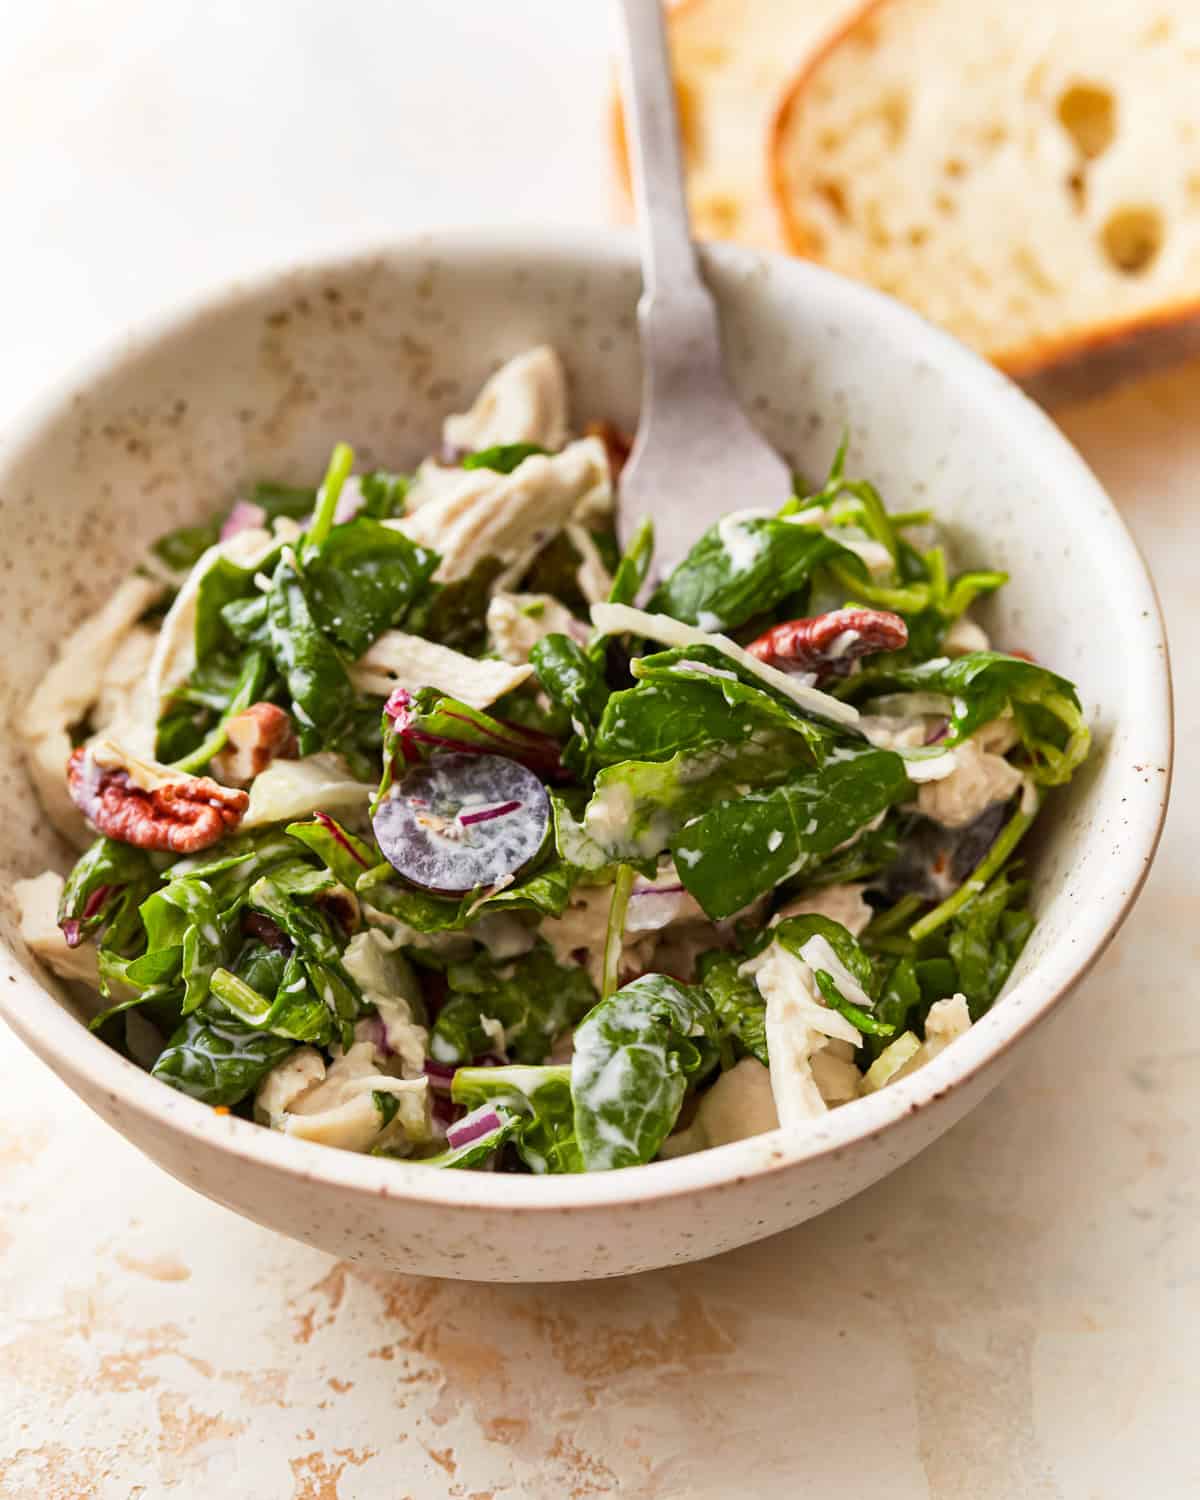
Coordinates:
1132	238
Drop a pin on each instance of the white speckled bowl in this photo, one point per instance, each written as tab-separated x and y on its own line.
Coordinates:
262	379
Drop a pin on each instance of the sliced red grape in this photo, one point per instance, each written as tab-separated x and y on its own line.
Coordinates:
463	821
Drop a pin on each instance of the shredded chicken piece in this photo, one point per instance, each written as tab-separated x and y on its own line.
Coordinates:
965	636
739	1104
525	401
798	1025
840	903
37	903
517	622
73	685
979	778
578	935
337	1107
509	517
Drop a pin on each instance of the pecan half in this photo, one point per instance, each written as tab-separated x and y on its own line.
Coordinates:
179	817
257	736
617	444
827	644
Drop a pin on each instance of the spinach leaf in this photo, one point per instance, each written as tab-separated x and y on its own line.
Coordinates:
981	685
292	501
383	494
233	867
635	1054
938	978
187	910
250	687
261	965
739	1007
742	849
639	808
541	1100
96	885
899	1006
281	896
455	614
381	889
246	620
503	458
985	942
744	567
362	580
223	584
322	697
183	548
874	850
534	998
219	1061
688	701
546	890
574	683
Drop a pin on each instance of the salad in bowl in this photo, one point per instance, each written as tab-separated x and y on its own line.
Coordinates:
416	819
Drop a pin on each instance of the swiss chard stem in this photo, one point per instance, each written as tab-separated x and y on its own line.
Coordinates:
901	947
614	938
340	463
1010	836
903	600
1061	764
887	922
241	998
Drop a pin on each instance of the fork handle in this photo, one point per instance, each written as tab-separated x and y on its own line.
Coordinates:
676	314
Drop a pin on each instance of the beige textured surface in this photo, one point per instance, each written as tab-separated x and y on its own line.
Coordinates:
1013	1315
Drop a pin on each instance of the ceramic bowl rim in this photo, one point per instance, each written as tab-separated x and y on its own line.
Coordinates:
58	1036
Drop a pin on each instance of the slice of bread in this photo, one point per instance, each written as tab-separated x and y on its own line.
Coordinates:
1024	172
732	59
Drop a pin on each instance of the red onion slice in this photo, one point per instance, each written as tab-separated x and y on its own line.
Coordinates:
440	1075
479	1122
245	516
486	814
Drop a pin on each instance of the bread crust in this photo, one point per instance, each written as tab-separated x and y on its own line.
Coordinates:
621	181
1095	359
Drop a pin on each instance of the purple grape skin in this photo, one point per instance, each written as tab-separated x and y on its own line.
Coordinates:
456	859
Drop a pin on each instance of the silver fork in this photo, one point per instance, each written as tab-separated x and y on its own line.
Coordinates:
696	456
